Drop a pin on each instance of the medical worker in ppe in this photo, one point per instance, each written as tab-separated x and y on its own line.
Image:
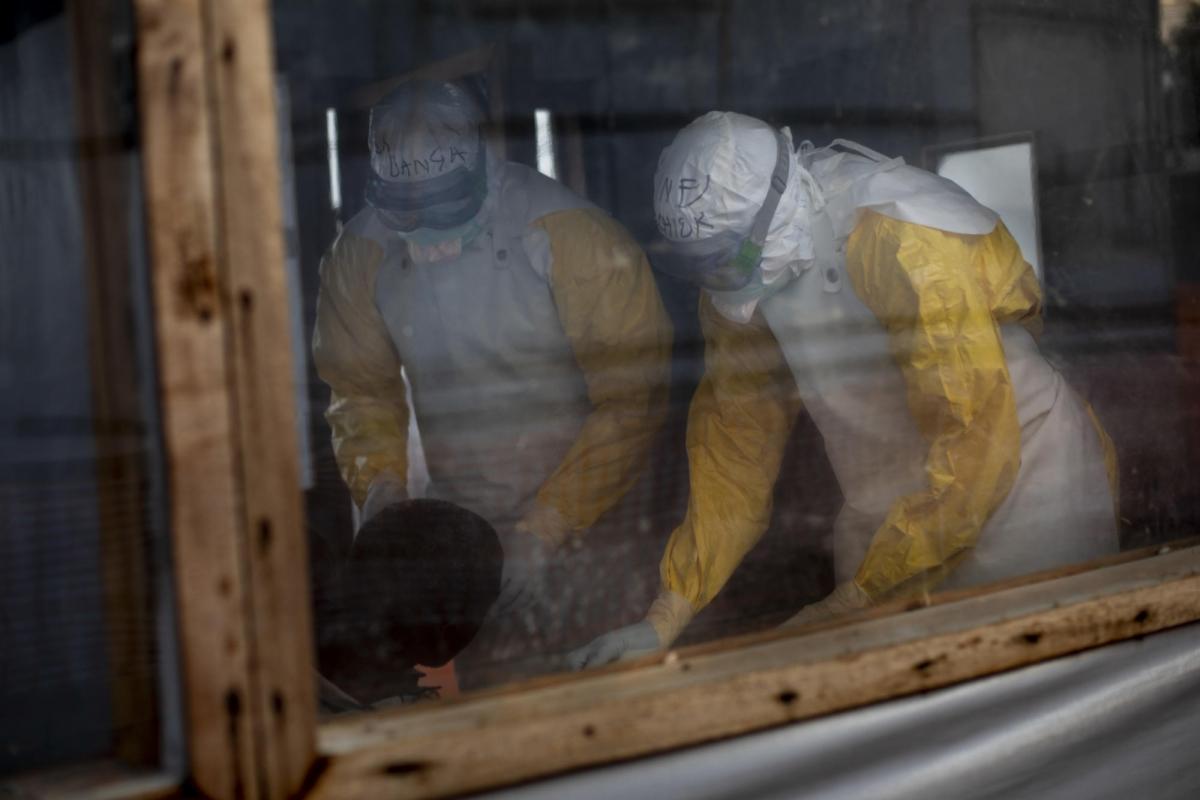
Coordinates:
526	320
900	313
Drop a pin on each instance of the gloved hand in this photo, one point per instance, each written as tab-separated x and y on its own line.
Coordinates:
523	578
669	614
623	643
386	488
538	536
546	523
845	598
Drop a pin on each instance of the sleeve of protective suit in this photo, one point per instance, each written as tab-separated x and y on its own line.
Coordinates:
738	426
621	337
934	292
368	412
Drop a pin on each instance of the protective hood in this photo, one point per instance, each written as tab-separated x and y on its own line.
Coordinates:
712	183
429	160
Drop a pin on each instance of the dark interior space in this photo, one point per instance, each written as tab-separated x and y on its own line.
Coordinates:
1115	172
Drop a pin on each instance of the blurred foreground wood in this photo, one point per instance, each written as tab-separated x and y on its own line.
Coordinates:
240	553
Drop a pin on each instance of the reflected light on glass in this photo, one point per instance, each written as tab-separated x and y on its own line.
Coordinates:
545	142
335	171
1002	178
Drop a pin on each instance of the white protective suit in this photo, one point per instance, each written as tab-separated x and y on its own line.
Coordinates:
900	313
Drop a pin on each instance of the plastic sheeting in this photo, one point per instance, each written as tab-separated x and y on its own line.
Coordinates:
1117	722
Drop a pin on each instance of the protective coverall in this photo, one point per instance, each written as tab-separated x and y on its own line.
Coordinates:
538	360
909	336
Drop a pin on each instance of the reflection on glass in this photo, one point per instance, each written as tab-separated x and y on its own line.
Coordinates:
1001	177
84	609
335	172
860	402
545	143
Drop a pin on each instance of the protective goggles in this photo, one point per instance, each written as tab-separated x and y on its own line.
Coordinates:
727	260
445	201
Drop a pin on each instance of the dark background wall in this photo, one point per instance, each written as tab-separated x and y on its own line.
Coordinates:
52	657
81	502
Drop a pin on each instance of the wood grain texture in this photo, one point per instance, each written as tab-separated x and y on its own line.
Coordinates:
704	694
251	264
194	375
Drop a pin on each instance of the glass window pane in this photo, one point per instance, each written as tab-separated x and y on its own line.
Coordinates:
959	347
84	612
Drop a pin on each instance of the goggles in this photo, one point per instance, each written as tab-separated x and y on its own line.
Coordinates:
446	201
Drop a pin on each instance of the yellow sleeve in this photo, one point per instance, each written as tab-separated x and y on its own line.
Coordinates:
932	295
738	426
1012	289
368	413
621	337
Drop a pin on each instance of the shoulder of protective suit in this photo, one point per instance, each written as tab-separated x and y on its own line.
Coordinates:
902	192
359	246
527	195
364	225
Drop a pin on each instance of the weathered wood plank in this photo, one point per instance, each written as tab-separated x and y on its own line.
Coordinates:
240	50
701	695
194	376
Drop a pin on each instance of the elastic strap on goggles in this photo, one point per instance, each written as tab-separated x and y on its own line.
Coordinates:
750	252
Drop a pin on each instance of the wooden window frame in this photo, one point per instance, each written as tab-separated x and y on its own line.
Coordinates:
209	148
709	692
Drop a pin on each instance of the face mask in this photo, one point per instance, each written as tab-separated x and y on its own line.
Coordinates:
431	245
427	245
739	305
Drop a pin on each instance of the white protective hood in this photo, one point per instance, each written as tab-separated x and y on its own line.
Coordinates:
714	177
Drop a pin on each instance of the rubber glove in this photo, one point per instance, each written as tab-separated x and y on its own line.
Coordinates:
623	643
668	616
523	577
847	597
539	535
546	523
386	488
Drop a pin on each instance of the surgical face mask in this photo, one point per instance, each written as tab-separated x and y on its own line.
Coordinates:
738	305
728	260
427	245
427	237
